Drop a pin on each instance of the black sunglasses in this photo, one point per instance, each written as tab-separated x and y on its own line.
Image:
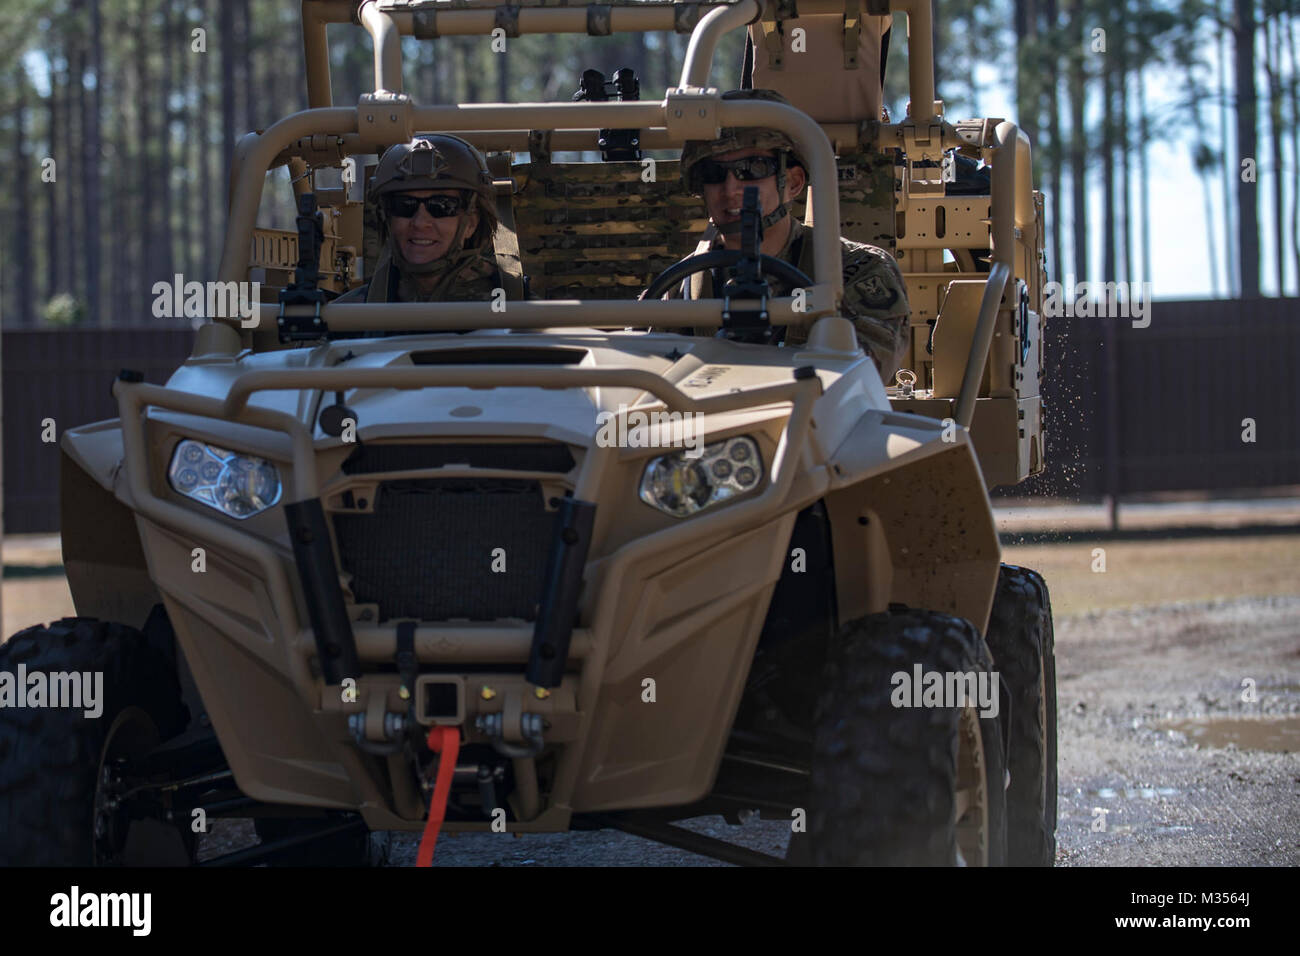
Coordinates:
405	206
713	172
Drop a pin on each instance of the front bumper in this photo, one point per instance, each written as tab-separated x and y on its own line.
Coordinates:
680	607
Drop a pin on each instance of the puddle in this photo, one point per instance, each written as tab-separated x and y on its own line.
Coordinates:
1274	735
1134	793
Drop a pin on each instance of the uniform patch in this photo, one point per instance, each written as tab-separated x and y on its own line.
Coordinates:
876	294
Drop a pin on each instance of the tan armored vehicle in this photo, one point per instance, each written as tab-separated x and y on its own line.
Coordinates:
349	573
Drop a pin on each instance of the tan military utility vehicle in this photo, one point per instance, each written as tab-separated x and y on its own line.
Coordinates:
349	573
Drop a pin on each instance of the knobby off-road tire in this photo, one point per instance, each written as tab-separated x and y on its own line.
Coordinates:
885	779
1020	639
51	758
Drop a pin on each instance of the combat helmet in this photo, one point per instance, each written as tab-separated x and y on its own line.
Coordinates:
732	138
436	161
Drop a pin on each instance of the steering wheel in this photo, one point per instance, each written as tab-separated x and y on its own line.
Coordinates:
715	258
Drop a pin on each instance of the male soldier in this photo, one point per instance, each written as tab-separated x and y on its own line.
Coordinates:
436	206
718	171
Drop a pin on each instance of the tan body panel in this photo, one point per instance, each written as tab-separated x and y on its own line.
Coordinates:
692	606
105	566
692	628
928	523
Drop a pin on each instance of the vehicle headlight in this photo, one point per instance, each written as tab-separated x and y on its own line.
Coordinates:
679	486
236	485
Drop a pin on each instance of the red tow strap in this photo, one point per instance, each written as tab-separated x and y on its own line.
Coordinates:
444	741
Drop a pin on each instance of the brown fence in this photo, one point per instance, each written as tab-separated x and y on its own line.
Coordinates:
1128	410
65	376
1136	410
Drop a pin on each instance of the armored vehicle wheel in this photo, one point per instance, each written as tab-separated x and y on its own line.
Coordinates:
1020	639
64	775
354	847
904	785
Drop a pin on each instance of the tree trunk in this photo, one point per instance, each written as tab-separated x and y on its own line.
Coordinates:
229	55
67	168
166	261
1295	146
503	75
146	190
94	163
437	51
75	222
53	262
1144	183
1109	220
1243	35
21	257
357	76
208	207
669	62
190	151
268	84
1231	168
1208	182
639	59
1078	141
1272	64
471	72
1027	74
119	249
244	78
1126	189
1055	155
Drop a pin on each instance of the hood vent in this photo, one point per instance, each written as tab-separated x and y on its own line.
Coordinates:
499	356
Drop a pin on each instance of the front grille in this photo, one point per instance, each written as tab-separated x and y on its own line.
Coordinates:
427	550
521	456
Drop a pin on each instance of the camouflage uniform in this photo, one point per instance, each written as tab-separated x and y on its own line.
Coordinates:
875	296
472	269
473	281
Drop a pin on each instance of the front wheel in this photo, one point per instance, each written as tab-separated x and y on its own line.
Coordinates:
68	755
904	775
1020	638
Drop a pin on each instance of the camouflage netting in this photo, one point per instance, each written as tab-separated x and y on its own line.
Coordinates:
867	204
597	231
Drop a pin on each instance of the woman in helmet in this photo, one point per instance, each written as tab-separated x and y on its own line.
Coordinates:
437	216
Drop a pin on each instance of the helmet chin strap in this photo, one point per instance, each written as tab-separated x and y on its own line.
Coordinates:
776	214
